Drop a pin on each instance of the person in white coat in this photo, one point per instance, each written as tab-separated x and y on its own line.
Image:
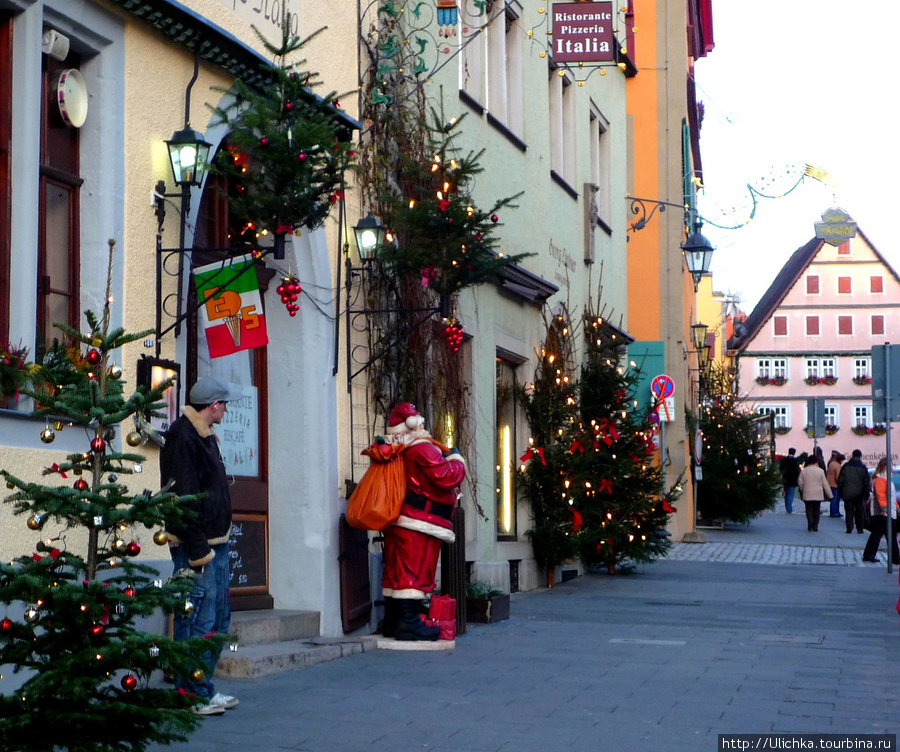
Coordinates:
814	489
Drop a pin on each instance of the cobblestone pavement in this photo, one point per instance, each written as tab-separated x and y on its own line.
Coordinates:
769	553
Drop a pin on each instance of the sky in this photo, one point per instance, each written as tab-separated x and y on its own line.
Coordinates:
790	84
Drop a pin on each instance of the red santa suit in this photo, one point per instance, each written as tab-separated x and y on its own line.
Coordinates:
412	545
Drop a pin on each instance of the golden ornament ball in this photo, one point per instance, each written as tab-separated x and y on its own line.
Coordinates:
114	372
47	435
119	546
160	538
35	522
133	439
197	675
188	608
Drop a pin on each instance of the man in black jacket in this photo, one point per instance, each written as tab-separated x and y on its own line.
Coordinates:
790	475
853	486
190	459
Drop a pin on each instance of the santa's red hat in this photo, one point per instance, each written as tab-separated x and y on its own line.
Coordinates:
404	417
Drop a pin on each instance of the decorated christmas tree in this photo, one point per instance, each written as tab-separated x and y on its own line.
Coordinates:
70	607
590	475
739	481
287	150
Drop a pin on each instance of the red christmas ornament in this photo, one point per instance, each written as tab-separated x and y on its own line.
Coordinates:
454	333
97	630
92	357
264	141
81	484
129	682
495	218
6	624
301	157
133	548
130	592
289	290
98	445
288	106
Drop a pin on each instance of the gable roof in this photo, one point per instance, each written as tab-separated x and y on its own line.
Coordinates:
782	285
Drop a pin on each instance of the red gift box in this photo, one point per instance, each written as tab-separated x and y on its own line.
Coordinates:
442	608
447	627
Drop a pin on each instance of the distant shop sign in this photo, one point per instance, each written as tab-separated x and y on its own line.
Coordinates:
582	32
836	227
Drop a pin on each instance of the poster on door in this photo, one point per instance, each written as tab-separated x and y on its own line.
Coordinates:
239	435
231	312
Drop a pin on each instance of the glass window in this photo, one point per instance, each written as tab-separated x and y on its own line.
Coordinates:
763	368
862	368
780	414
504	80
506	449
812	368
562	124
862	415
472	58
829	369
831	415
600	170
779	368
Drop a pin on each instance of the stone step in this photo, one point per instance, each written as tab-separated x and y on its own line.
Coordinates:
251	661
260	627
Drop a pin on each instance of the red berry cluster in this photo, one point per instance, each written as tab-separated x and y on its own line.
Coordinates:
454	333
289	290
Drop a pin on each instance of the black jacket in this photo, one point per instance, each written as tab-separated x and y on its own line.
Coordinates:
853	482
790	470
191	458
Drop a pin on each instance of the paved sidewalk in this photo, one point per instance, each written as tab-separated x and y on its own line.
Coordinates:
661	660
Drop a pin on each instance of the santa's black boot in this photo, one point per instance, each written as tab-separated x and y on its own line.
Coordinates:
411	626
391	619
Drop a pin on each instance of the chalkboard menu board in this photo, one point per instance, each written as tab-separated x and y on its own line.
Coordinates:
249	552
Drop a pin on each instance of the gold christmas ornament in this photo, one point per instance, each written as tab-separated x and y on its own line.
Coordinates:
119	546
114	372
133	438
188	608
35	522
160	538
47	435
32	615
197	675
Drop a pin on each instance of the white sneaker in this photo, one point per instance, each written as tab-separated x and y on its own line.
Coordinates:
209	709
224	701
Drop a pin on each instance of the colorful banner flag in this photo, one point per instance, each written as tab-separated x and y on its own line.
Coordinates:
231	311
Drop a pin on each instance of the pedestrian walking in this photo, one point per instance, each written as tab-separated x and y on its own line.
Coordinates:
790	472
191	461
853	486
814	489
831	473
884	498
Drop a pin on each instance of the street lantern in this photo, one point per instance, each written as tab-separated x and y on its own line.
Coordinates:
369	235
698	334
189	155
697	253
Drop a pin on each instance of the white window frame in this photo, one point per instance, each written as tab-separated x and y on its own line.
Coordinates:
562	124
862	415
828	367
813	367
764	368
832	415
472	60
779	368
505	88
600	164
862	367
781	414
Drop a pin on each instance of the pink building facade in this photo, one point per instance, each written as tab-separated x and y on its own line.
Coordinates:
811	335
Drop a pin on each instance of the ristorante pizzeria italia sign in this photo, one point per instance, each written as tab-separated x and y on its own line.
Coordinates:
583	32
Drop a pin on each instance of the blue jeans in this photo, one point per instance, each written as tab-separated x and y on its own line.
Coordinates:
212	613
835	503
789	492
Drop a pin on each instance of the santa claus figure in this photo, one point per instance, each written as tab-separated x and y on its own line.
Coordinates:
412	544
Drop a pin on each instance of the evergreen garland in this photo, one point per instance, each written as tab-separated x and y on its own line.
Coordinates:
69	625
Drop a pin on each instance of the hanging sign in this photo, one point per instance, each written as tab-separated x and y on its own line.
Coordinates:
230	306
836	227
583	32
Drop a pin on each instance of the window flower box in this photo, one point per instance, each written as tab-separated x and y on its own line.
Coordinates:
778	381
862	380
829	380
764	380
879	429
782	430
813	380
831	429
861	429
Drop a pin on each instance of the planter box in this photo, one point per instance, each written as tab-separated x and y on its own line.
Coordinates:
487	610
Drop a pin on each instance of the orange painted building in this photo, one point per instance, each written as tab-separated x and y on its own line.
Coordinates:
664	39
